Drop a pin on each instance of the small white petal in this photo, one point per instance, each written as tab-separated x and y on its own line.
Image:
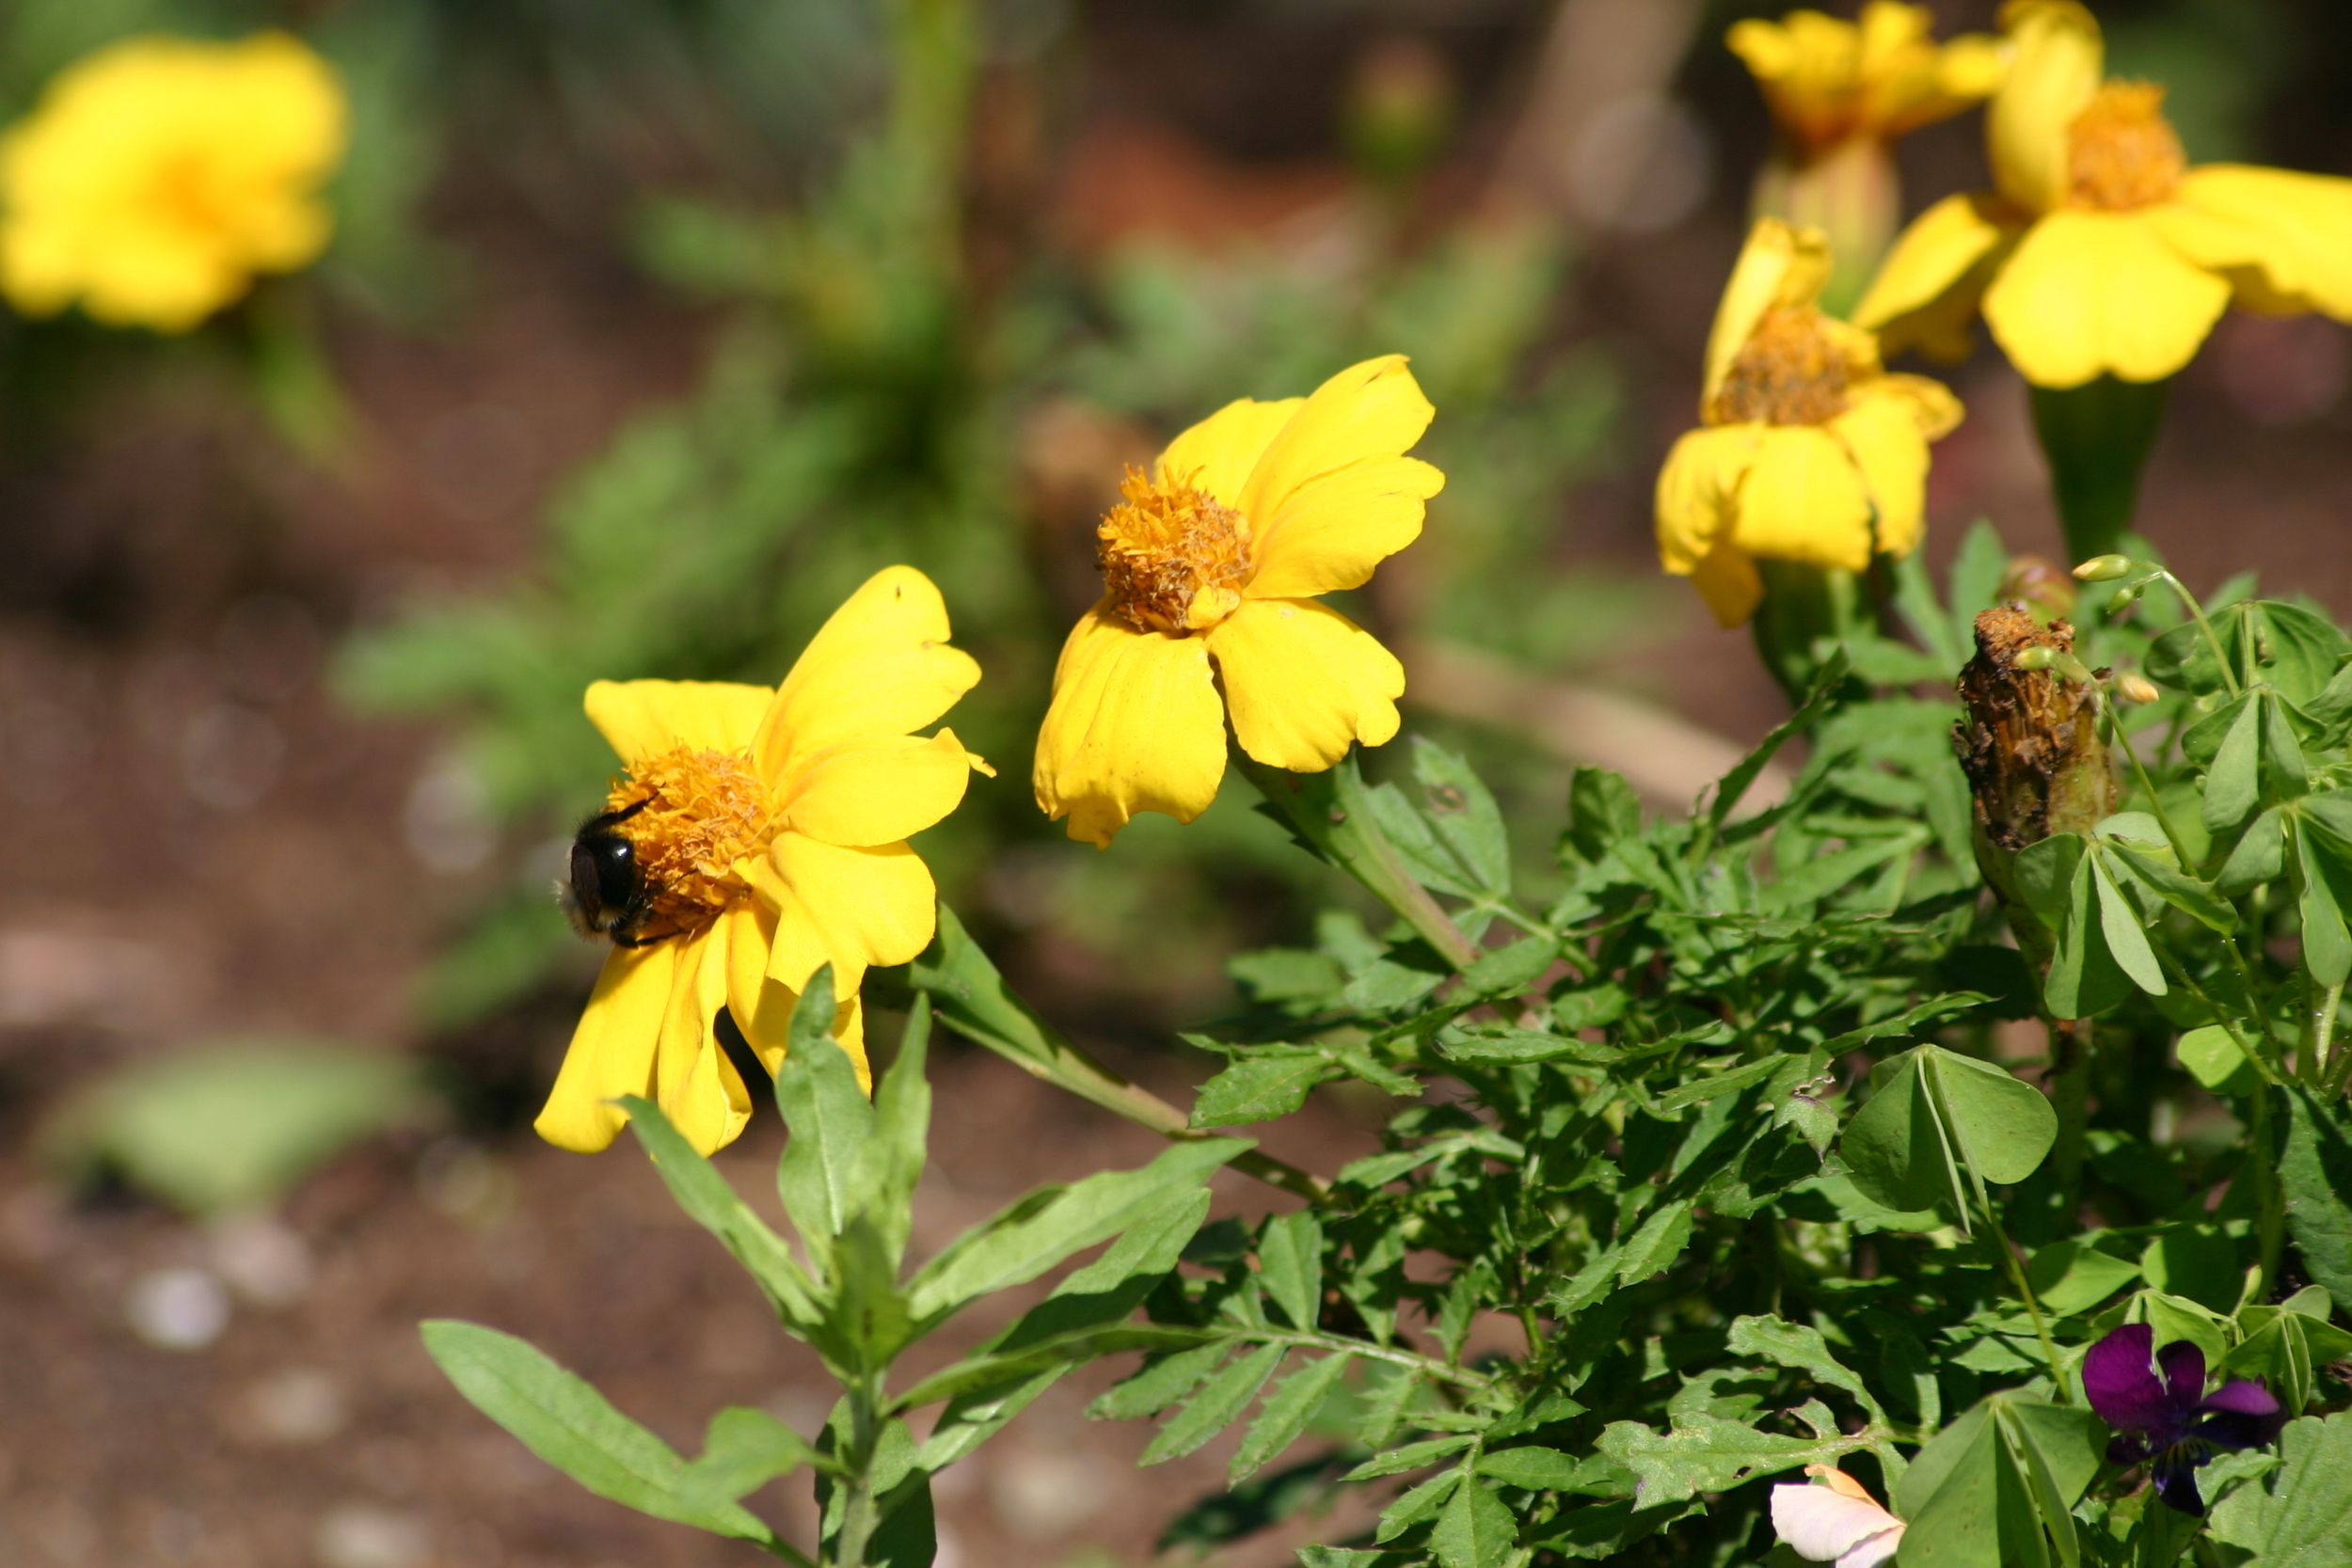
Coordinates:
1871	1550
1824	1526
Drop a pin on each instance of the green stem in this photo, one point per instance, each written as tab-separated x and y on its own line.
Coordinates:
2024	1293
2317	1066
2070	1095
1459	1376
858	1511
2269	1198
2147	785
2213	639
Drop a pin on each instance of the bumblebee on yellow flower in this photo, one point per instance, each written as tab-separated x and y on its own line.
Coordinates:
2102	252
159	175
1211	571
1808	450
757	834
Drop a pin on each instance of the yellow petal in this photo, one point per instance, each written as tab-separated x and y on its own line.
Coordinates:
1135	725
1973	66
763	1009
2092	293
1698	492
644	719
877	790
1726	579
879	665
1330	532
1884	434
1303	682
695	1083
1778	268
1927	289
613	1049
2053	72
853	909
1220	450
2293	233
1374	410
1803	501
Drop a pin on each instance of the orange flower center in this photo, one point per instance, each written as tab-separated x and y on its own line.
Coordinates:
1174	557
1791	371
701	813
2122	152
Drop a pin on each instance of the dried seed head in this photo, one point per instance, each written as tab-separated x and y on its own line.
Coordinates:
2030	744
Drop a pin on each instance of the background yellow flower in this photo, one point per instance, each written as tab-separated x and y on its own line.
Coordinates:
1809	452
2103	253
157	175
1828	79
774	822
1217	559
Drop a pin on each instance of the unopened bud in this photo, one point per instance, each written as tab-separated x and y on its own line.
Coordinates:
2103	568
2134	686
2125	597
2036	658
2071	668
2042	586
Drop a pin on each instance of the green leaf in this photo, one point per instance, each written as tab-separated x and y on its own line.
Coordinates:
980	1373
1033	1234
1709	1453
1796	1345
742	1450
2315	1172
2068	1277
2004	1128
2298	652
2197	1261
1159	1385
1535	1469
1463	812
2232	783
1699	1090
1896	1150
2127	938
1593	1007
866	1320
698	1188
574	1428
2258	856
1286	1413
1215	1407
1736	783
892	1163
1417	1504
1653	1249
1412	1456
1261	1087
824	1105
2301	1515
1602	809
2326	945
2197	899
1473	1529
1290	1261
1996	1486
1508	971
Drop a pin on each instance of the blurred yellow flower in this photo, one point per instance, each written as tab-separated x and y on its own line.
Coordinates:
1828	80
771	825
1210	570
1809	452
2101	253
156	176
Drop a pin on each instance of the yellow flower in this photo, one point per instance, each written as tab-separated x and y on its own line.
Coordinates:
2102	252
1828	80
771	826
1809	452
158	175
1215	560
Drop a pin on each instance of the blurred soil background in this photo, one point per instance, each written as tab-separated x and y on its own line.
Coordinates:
215	832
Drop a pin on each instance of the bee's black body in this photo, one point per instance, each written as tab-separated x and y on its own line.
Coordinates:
606	895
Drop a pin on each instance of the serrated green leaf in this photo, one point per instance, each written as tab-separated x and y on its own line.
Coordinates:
1215	1406
1533	1468
1709	1453
1463	812
2315	1172
981	1373
1417	1504
1474	1529
1290	1261
826	1108
1286	1413
1261	1087
1507	971
1159	1385
1412	1456
1797	1346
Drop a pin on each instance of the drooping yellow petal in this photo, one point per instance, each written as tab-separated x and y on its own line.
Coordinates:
1779	267
613	1049
2292	232
1927	290
1135	725
1219	452
1698	492
1727	579
763	1009
2091	294
875	790
1803	501
2053	73
1303	682
642	719
1330	532
879	665
853	909
1885	431
695	1083
1374	410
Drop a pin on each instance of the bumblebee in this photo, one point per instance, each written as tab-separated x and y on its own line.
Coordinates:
607	893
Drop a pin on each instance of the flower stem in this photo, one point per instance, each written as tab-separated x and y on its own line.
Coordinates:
2213	639
2024	1293
2269	1199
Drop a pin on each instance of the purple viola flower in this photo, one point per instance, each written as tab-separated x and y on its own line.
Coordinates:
2160	1411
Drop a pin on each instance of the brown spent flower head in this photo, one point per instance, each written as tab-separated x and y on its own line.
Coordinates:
1173	558
2122	152
1792	370
702	812
2030	741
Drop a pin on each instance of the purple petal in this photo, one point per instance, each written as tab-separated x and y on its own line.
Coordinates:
2120	1380
2183	1367
2240	1415
2242	1398
2127	1450
2176	1484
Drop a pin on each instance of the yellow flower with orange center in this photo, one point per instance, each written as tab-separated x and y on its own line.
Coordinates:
157	175
765	835
1211	569
1829	80
1808	450
2102	252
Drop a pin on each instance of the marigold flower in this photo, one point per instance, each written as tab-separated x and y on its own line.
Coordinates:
2162	1415
2101	253
1809	451
772	827
1829	80
1211	567
1837	1521
158	175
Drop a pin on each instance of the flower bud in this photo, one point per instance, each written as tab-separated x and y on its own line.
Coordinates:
2036	658
2134	686
2103	568
2125	597
2042	586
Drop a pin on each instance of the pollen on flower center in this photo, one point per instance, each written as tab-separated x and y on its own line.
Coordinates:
698	814
2122	152
1174	557
1791	371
